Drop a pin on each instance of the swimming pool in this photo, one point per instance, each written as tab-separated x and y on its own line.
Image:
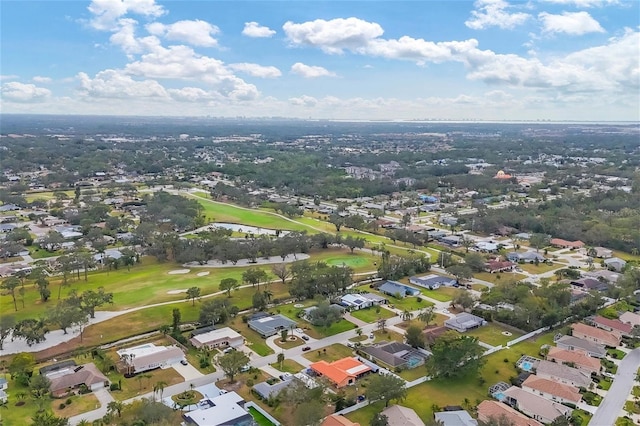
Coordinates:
499	396
526	366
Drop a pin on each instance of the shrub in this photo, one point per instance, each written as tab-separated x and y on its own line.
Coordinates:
249	382
19	403
114	387
68	401
506	360
61	406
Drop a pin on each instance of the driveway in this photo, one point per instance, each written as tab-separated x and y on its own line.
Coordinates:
189	372
611	406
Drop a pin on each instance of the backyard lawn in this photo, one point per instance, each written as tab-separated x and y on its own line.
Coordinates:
372	314
141	384
253	340
491	334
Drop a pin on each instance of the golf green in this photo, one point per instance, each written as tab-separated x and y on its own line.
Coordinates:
352	261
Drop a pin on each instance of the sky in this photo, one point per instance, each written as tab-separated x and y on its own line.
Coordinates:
346	60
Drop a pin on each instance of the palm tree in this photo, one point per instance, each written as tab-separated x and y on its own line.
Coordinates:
83	422
426	315
159	388
115	407
406	315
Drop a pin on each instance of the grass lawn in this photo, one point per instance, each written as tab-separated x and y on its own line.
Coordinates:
358	261
292	342
193	356
531	347
626	256
438	319
253	340
615	353
335	328
443	294
139	384
79	404
540	269
38	253
259	418
330	353
500	278
413	373
288	366
492	334
631	407
372	314
387	335
624	421
410	303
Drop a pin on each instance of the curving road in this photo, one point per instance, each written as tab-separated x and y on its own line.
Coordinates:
611	406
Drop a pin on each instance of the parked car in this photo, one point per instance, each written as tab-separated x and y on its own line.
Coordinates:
371	336
306	348
286	376
184	362
305	337
361	398
350	345
245	368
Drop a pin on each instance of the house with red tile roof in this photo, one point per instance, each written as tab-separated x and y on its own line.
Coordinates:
492	410
578	360
341	373
613	325
498	266
595	334
552	390
559	242
337	420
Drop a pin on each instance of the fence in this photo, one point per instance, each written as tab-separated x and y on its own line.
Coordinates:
528	336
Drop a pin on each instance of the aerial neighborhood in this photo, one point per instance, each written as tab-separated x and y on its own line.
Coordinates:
205	273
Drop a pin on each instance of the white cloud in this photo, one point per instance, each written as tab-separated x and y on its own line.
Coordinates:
25	93
192	94
196	33
333	36
304	100
256	70
577	23
253	29
107	12
493	13
124	35
8	77
116	84
43	80
585	3
310	71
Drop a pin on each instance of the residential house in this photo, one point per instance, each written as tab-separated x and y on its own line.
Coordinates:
65	381
464	322
398	415
9	207
452	240
432	332
223	410
220	338
604	275
337	420
432	281
564	374
630	318
552	390
560	243
493	410
614	326
498	266
265	390
361	301
396	289
394	354
269	325
615	264
590	284
486	247
578	360
535	406
455	418
596	335
341	373
149	357
572	343
602	253
526	257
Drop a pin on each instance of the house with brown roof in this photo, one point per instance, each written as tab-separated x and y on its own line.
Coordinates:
337	420
596	335
630	318
560	243
563	374
65	381
614	326
535	406
432	332
398	415
498	266
341	373
578	360
492	410
552	390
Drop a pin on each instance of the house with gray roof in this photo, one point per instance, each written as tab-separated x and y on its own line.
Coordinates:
394	354
396	289
455	418
535	406
271	325
571	343
562	373
432	281
464	322
265	390
526	257
615	264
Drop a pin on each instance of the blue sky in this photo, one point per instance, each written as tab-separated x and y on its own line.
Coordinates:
488	59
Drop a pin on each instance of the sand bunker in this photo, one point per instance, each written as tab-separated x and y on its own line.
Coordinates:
202	274
179	271
183	290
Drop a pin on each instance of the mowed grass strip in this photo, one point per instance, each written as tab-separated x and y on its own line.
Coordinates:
329	353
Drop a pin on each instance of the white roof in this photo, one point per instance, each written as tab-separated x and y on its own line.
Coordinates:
224	411
358	369
220	333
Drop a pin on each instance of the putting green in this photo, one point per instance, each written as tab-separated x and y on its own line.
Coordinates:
351	261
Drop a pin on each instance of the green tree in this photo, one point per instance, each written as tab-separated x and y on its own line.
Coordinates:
229	284
280	359
193	293
460	271
386	387
31	330
406	315
232	363
463	298
254	276
258	301
475	261
426	315
281	271
66	315
309	413
324	315
283	335
414	337
379	420
10	284
46	418
539	241
39	387
90	300
176	317
454	355
159	388
7	322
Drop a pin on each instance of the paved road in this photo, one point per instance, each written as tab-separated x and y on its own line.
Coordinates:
612	404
